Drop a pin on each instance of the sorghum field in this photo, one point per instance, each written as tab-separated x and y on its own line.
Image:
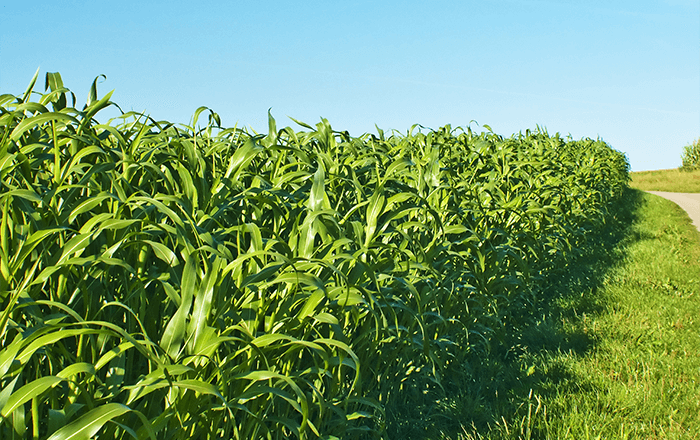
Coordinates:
197	281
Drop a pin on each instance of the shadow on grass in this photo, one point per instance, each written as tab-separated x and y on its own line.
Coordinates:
496	387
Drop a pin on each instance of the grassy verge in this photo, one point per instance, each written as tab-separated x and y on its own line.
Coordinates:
674	180
611	351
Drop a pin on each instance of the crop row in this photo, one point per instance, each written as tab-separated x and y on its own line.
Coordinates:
184	281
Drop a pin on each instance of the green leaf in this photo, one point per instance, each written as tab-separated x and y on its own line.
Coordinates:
30	87
117	224
317	196
7	391
241	158
455	229
163	252
209	341
27	392
7	356
52	338
326	318
141	390
43	118
92	96
72	370
93	108
90	424
311	303
5	163
94	220
202	304
74	246
187	184
88	204
199	387
346	297
270	338
374	210
174	333
111	354
23	194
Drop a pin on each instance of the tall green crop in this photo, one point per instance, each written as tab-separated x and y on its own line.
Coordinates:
691	155
204	282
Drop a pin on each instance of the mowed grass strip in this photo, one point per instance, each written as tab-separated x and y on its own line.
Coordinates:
616	355
674	180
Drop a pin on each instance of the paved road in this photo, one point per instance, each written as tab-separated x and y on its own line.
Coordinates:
690	202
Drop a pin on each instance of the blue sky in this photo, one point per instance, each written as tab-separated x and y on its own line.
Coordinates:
625	71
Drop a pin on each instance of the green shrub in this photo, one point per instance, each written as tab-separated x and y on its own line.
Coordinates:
691	156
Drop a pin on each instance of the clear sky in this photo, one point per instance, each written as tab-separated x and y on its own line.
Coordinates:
627	71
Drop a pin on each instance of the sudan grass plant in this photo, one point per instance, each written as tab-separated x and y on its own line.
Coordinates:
163	281
691	156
